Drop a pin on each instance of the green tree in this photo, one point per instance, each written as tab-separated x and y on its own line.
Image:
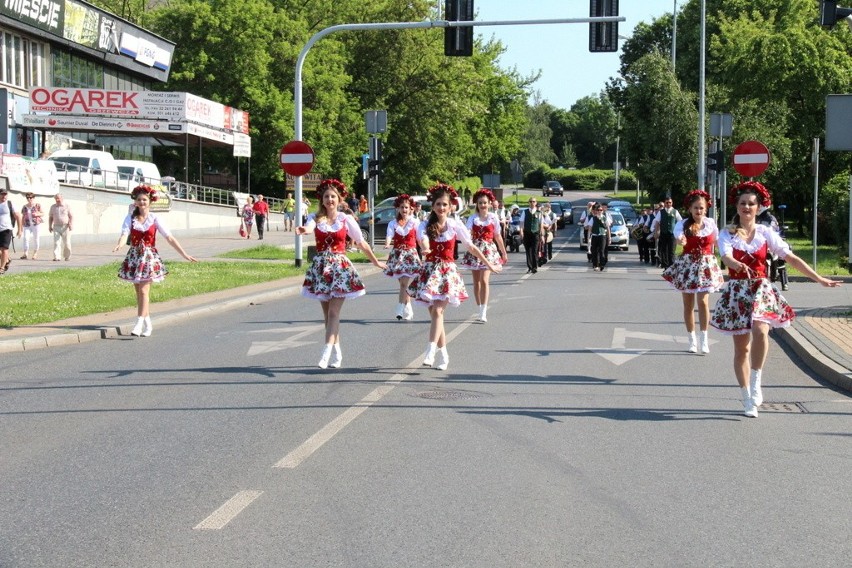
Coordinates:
659	124
537	150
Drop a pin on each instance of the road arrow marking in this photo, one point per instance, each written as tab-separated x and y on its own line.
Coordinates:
264	347
619	354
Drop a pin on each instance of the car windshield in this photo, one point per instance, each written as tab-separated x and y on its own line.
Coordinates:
556	208
73	160
617	218
553	184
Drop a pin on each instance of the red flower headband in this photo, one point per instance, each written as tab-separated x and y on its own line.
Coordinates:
763	198
693	195
486	192
404	198
146	189
440	188
338	186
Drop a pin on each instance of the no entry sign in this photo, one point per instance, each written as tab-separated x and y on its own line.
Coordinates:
297	158
751	158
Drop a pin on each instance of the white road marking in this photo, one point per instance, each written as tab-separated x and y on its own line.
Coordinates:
618	353
327	432
264	347
226	513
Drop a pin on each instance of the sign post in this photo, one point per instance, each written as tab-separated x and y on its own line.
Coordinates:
297	158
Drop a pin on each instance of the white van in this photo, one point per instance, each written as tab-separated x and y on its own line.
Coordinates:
134	172
87	167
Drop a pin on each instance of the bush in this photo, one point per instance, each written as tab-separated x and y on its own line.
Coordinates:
833	214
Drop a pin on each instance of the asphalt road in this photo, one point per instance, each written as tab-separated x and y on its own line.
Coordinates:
573	429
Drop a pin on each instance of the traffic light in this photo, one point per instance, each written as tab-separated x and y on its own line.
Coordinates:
458	42
603	37
830	12
716	161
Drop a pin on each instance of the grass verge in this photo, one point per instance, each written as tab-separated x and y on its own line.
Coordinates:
31	298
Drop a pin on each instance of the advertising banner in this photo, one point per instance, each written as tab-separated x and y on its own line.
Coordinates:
96	124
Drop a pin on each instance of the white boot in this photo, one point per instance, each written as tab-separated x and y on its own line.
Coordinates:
478	312
749	407
693	343
400	310
443	359
326	355
146	331
408	313
429	358
705	345
482	313
336	357
756	391
137	329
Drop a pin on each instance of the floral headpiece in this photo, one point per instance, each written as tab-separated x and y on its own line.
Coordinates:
439	188
763	198
693	195
338	186
404	198
486	192
147	189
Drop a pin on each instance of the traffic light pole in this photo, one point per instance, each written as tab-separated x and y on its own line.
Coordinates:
300	62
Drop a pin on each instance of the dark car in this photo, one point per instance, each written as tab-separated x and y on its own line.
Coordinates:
627	211
566	210
561	214
552	188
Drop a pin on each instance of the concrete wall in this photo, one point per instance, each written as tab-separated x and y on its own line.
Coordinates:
99	214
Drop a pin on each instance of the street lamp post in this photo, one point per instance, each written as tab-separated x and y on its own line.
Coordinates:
674	36
702	165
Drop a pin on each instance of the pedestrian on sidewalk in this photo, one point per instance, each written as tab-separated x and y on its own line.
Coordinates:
261	212
32	217
750	304
332	277
59	222
288	207
439	282
403	262
143	264
248	216
696	272
487	234
9	219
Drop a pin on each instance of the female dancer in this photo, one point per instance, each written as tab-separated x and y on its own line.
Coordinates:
438	283
696	272
331	277
485	230
403	261
750	304
248	215
143	264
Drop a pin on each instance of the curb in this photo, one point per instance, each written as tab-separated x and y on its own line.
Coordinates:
111	331
827	369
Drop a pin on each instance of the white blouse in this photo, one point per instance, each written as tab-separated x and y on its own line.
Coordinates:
145	225
709	228
455	230
394	227
352	228
490	219
762	234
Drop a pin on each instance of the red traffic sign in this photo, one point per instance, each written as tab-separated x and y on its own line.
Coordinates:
296	158
751	158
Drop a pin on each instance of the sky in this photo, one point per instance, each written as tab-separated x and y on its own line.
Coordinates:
561	51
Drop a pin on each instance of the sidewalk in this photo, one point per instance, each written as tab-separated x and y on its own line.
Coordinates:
821	336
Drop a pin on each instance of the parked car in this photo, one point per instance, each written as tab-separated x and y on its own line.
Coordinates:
382	218
552	188
389	201
138	171
91	168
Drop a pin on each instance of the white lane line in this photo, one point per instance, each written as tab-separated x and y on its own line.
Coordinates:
226	513
327	432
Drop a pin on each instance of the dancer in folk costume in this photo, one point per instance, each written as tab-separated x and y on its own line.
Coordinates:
143	264
750	305
696	271
486	232
439	283
403	262
332	277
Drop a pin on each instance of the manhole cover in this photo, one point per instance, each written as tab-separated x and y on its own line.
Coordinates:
794	407
449	395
